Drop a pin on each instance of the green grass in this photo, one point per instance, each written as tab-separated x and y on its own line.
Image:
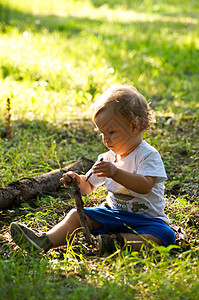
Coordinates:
55	59
68	54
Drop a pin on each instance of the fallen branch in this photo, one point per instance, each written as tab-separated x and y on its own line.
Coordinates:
80	209
26	189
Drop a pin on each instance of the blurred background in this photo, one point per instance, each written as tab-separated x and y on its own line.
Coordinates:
56	57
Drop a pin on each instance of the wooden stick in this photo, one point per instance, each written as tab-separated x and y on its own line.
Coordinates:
80	209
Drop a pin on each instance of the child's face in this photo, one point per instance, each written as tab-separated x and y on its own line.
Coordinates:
117	132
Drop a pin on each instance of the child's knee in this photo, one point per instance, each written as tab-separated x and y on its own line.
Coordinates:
93	224
73	215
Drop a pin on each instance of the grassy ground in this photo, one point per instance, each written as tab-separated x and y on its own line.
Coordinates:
55	60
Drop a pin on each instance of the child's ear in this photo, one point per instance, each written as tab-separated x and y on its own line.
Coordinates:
135	126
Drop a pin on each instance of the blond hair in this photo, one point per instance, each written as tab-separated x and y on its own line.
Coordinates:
129	102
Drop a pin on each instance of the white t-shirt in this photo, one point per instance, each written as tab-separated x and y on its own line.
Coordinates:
144	160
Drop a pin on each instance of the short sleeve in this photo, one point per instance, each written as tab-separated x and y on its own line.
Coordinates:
152	165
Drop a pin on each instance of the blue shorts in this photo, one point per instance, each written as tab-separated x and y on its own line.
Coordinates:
129	222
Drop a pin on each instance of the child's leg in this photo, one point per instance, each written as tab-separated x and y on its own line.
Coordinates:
69	225
137	240
29	240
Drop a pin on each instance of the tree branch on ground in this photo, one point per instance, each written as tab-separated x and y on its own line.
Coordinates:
26	189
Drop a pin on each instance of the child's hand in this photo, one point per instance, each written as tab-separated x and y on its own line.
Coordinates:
67	177
104	169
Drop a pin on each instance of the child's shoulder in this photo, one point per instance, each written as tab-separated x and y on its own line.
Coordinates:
143	151
147	147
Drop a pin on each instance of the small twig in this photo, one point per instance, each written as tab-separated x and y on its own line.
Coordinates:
8	131
101	159
80	209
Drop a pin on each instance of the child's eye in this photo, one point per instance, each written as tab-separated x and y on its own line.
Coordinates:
108	132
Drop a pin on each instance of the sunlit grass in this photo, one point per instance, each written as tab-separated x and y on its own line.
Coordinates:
56	59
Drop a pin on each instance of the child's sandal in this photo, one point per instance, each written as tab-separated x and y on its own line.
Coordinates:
108	243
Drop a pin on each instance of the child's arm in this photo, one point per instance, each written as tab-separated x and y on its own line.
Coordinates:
85	186
135	182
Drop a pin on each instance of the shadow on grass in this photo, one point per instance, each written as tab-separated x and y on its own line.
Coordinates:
38	147
67	129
